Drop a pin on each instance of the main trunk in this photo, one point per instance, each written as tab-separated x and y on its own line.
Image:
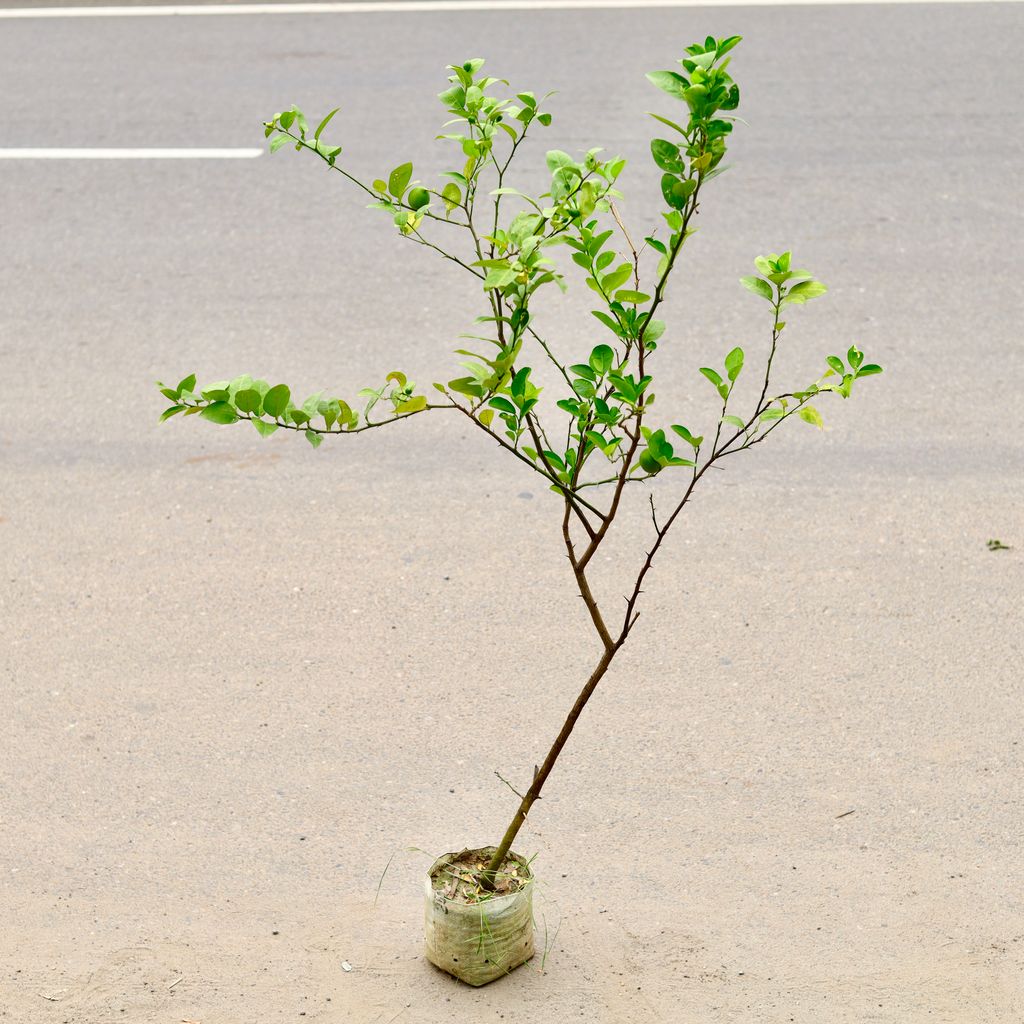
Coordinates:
549	762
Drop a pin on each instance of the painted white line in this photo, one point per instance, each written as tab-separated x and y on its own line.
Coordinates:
411	6
68	153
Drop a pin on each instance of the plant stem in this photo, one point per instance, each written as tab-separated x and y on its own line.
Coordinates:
531	795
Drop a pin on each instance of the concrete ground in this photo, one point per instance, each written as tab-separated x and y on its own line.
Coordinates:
238	675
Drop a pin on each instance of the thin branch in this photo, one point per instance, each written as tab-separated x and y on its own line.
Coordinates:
510	786
324	431
629	242
554	481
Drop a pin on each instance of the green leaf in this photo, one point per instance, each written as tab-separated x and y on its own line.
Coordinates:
172	411
685	434
499	278
712	375
556	159
854	357
758	287
804	292
415	404
811	415
278	142
187	384
716	378
836	363
249	400
668	81
467	386
218	392
502	405
734	421
617	277
627	295
675	191
451	196
648	462
734	363
584	370
601	359
666	156
725	45
314	438
667	122
869	370
398	180
311	406
264	428
771	414
518	385
275	401
324	123
219	412
653	330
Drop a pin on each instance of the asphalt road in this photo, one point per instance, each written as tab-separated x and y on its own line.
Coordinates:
237	675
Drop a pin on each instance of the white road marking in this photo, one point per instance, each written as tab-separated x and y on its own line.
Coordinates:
70	153
412	6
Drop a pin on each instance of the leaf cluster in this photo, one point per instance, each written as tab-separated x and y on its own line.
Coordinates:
509	244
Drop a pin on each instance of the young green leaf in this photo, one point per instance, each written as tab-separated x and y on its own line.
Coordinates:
734	363
324	123
716	378
868	370
685	434
811	415
804	292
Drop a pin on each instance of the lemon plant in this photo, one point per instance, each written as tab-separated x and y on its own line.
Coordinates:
601	434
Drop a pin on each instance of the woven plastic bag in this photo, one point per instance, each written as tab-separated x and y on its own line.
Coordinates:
478	942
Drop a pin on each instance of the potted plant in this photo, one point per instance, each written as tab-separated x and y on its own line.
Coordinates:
606	437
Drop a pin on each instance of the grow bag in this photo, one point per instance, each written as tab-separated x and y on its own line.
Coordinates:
478	941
